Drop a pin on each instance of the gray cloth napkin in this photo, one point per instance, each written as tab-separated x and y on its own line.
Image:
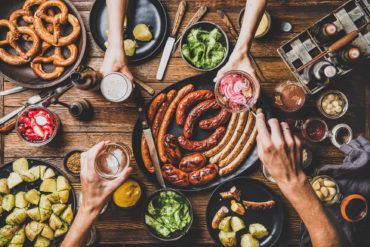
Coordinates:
353	177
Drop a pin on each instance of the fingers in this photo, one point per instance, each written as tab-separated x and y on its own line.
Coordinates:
289	141
120	179
93	152
263	133
276	135
298	151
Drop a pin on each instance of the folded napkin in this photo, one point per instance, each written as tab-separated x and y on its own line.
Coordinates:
353	177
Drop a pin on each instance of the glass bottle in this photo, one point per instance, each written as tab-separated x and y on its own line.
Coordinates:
86	78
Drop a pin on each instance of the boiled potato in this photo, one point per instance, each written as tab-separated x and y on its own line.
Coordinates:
34	214
4	189
6	234
33	229
59	232
44	214
62	184
67	215
58	208
48	185
63	196
130	47
8	202
20	166
42	242
35	171
17	217
141	32
237	224
247	240
228	239
20	200
1	205
44	202
49	173
18	238
47	232
225	224
258	230
33	196
55	222
53	197
14	179
28	177
42	171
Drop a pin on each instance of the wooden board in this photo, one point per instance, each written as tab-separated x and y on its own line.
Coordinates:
116	121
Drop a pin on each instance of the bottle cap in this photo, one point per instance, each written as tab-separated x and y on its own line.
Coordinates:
330	71
330	29
286	27
354	53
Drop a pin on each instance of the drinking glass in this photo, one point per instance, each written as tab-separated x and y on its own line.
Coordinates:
289	96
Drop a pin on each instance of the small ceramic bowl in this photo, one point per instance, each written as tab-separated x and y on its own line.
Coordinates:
340	97
178	235
65	162
207	26
240	19
139	202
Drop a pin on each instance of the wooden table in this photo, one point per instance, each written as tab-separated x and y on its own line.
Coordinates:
115	121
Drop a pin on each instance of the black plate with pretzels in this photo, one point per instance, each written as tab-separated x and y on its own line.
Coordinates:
23	74
149	12
203	81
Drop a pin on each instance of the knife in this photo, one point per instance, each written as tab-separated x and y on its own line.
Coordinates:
170	41
12	91
196	17
148	135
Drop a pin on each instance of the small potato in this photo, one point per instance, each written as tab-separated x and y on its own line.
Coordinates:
247	240
237	224
225	224
14	179
4	189
17	217
20	200
130	47
141	32
8	202
55	222
258	230
329	183
49	173
62	184
228	239
48	185
20	165
42	242
316	185
324	191
33	196
34	214
319	195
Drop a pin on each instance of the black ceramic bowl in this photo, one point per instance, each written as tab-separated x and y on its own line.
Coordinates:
207	26
177	235
65	162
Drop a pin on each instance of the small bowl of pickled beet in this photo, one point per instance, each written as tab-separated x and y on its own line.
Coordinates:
37	126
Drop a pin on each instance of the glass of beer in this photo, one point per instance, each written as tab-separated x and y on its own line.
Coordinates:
111	161
289	96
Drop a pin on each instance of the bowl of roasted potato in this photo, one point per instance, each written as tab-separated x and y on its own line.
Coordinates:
37	204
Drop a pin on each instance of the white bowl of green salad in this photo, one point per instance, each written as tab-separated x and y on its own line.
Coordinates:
168	214
204	46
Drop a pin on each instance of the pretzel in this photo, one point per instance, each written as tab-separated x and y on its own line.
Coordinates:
37	66
12	38
12	35
60	18
57	58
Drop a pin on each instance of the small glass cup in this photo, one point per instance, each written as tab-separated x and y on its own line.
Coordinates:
235	95
313	129
354	208
319	182
111	161
289	96
334	99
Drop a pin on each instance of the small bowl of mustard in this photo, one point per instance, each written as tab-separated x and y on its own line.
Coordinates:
72	162
129	194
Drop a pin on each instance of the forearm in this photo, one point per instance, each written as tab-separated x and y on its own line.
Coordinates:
252	16
116	15
320	225
80	229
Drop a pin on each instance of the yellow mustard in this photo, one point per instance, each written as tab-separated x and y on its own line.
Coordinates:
128	194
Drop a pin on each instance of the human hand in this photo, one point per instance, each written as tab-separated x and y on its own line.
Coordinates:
237	61
280	152
95	189
115	61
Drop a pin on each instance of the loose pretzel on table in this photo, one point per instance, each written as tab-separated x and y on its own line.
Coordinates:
60	18
12	38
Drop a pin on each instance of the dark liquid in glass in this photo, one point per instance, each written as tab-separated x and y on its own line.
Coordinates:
356	209
315	130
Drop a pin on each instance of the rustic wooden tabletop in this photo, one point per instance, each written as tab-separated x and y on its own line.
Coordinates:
115	121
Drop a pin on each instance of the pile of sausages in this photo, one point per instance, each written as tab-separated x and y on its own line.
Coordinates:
226	148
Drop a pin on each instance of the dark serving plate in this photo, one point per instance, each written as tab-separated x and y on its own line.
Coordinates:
252	190
7	168
149	12
203	81
24	75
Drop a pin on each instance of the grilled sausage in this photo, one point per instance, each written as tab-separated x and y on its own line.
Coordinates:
215	122
195	113
161	98
229	132
258	205
167	119
234	139
233	165
204	145
241	142
172	149
175	176
221	213
192	162
160	113
203	175
189	100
